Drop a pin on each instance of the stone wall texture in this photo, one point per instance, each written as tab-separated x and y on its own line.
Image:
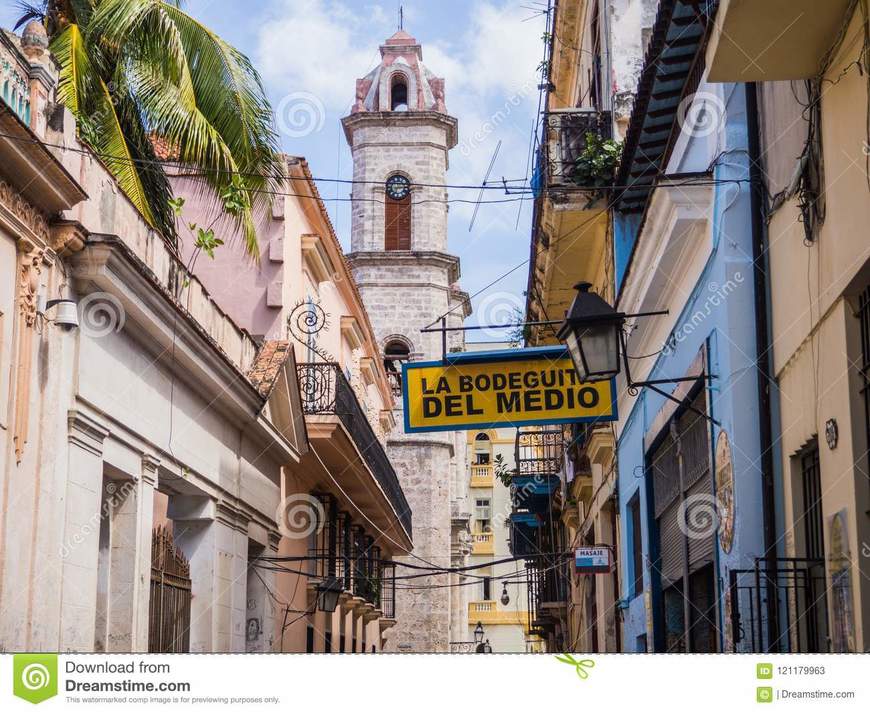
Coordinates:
403	292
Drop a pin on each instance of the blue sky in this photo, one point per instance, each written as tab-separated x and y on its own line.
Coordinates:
309	53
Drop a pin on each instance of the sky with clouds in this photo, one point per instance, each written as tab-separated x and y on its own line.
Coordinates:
310	52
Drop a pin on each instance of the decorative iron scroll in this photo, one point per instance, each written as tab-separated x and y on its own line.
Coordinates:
306	320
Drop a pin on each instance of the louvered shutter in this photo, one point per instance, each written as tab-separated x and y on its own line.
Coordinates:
397	224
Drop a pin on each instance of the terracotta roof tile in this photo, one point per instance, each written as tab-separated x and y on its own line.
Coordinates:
267	365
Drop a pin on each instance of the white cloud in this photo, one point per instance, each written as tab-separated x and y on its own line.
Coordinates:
319	47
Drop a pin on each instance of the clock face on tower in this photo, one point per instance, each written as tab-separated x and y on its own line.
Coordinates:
398	187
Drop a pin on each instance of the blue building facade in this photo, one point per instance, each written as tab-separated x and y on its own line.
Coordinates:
691	501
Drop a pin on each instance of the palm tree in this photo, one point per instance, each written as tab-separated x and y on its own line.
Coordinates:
135	70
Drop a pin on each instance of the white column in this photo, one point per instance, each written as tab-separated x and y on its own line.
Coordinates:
132	511
78	596
194	531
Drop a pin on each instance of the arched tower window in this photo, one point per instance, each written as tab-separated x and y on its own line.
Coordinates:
399	93
396	353
397	213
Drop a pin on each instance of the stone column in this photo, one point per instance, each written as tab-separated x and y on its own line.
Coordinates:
81	530
194	532
131	503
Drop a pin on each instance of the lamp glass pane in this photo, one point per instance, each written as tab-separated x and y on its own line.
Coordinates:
600	352
574	350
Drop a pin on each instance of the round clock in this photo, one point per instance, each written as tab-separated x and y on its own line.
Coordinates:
398	187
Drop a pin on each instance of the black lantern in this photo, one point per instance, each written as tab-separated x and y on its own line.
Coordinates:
328	592
505	599
592	331
478	634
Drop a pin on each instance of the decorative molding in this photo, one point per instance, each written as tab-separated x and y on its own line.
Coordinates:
13	204
230	515
86	432
29	269
68	236
316	258
149	470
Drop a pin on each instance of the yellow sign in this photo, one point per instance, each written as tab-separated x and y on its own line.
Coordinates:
512	388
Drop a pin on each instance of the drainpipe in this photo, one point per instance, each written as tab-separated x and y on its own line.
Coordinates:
763	347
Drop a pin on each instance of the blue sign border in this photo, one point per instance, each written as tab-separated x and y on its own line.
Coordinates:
501	355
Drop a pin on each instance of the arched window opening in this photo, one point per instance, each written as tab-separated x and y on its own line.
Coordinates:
399	94
397	213
482	449
396	353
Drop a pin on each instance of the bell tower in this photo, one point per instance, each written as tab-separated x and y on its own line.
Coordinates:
400	137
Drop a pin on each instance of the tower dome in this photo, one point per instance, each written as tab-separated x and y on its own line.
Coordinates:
401	82
34	39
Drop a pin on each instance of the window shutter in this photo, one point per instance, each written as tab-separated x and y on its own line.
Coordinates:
397	224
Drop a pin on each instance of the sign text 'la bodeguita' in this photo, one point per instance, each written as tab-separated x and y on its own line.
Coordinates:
515	392
522	387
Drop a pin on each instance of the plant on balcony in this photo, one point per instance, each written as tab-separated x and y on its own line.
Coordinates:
502	472
595	167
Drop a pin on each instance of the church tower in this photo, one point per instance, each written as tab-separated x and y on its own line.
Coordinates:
400	136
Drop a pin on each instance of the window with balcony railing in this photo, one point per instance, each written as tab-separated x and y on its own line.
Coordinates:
325	390
566	142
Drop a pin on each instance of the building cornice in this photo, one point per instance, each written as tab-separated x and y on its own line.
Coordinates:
401	119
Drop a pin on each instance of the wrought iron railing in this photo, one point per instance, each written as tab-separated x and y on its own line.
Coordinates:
538	450
325	390
566	141
794	590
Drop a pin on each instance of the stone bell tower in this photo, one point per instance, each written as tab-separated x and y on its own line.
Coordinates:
400	136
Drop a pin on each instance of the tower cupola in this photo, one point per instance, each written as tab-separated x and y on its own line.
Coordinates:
401	82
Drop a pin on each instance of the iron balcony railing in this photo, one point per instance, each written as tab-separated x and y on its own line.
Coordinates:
325	390
566	131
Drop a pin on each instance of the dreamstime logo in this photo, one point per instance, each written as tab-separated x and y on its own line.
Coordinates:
34	676
865	549
300	114
698	516
701	114
299	516
501	308
101	314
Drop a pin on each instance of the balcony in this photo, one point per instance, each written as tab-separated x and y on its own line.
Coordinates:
482	476
772	40
566	141
343	438
488	613
538	453
483	543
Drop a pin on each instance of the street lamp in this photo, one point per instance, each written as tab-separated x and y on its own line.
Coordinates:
505	599
592	331
328	592
478	634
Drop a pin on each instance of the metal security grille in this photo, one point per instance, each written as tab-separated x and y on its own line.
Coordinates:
864	316
169	608
388	590
680	473
811	482
798	585
323	541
